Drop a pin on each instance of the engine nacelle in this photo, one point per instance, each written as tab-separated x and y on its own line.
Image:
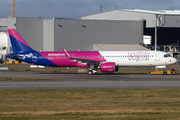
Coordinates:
109	67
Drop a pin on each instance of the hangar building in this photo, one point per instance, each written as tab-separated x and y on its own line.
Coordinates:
167	23
104	31
55	34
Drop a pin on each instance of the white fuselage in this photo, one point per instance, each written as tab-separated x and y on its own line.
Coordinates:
138	58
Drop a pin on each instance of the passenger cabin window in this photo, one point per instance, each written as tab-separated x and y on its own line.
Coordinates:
167	55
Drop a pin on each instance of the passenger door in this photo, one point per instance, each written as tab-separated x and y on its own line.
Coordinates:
156	56
34	57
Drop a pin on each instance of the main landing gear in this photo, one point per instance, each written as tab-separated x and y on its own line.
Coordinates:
93	70
90	72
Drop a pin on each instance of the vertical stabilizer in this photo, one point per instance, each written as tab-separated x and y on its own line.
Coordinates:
18	43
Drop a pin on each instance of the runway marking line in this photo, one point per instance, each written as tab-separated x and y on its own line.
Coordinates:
81	111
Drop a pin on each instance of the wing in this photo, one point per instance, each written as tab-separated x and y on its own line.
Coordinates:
88	62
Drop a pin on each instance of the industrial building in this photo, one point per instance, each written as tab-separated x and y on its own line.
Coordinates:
111	30
164	24
55	34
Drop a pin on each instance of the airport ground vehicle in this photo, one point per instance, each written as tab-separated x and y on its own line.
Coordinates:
163	72
13	62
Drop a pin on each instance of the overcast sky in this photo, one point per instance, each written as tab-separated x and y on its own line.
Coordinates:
78	8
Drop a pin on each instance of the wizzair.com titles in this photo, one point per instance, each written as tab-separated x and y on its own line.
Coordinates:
56	54
51	54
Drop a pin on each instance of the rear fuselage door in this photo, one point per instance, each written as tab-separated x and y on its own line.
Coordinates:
34	57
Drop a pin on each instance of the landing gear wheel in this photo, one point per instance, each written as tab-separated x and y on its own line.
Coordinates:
90	72
165	73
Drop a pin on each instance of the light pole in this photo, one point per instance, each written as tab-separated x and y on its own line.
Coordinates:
155	32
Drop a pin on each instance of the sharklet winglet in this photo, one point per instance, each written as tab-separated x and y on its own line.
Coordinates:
66	53
78	49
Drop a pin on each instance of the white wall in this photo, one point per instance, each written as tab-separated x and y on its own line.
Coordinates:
3	43
48	44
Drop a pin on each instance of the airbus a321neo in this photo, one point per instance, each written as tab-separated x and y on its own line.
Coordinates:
106	61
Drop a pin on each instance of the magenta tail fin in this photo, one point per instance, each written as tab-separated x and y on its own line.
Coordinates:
18	43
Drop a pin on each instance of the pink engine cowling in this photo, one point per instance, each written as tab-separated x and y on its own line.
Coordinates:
108	67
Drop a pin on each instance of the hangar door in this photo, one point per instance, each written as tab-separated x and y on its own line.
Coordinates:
165	36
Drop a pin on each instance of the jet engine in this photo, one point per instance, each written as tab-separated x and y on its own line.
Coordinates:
109	67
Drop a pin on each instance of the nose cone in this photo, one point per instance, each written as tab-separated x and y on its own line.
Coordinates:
173	60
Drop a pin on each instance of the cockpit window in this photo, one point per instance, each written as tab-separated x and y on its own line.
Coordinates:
167	55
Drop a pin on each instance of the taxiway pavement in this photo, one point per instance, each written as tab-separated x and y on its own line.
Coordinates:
84	81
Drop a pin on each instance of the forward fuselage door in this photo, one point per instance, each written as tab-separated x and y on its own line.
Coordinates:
156	56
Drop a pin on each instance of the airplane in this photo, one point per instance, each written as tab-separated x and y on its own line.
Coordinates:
106	61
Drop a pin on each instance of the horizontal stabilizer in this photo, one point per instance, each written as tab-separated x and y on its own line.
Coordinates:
16	56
